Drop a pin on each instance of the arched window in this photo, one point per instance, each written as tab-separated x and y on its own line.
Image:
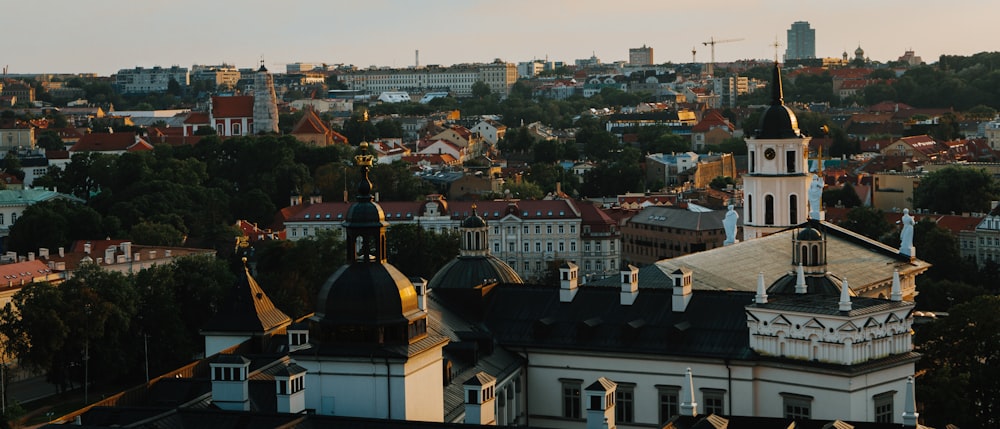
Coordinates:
236	129
815	253
804	255
769	210
793	209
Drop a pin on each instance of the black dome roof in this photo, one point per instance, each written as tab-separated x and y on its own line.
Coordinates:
474	221
809	234
365	294
826	285
466	272
778	121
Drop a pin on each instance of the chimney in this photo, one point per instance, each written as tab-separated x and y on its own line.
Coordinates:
420	284
135	256
845	296
479	397
600	397
298	336
109	254
43	252
152	254
761	297
31	256
86	247
62	252
568	273
681	279
630	284
126	248
688	407
290	388
230	388
167	253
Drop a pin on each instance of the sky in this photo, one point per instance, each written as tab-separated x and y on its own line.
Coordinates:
103	36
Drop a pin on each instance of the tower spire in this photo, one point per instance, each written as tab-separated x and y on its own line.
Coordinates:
777	95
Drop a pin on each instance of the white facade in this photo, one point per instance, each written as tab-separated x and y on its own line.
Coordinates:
456	79
390	388
776	186
157	79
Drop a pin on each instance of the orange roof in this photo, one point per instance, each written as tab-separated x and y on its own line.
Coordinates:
197	118
19	273
107	142
237	106
310	124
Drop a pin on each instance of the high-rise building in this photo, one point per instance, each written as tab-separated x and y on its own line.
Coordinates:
640	56
801	42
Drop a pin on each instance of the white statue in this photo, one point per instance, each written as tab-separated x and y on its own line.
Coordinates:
729	222
906	235
815	196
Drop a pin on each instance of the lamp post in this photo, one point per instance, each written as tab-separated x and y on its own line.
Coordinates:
86	359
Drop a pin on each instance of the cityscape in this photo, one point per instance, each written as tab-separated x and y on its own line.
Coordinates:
798	238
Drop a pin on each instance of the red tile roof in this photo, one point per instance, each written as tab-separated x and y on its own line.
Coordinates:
310	124
197	118
20	273
109	142
237	106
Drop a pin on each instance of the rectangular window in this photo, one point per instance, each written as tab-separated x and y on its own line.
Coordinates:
527	246
597	246
797	407
496	247
714	401
624	404
526	229
883	407
669	402
571	399
1	218
510	246
527	267
13	218
548	246
790	161
560	229
538	229
562	246
548	229
538	246
572	229
572	246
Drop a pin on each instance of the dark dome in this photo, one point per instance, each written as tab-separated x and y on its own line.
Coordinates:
466	272
809	234
827	285
474	221
778	121
366	295
365	214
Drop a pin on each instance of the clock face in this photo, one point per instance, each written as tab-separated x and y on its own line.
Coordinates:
769	153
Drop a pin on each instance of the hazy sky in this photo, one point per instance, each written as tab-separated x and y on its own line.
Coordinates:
103	36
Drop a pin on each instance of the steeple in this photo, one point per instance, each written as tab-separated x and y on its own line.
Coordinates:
778	122
761	297
265	107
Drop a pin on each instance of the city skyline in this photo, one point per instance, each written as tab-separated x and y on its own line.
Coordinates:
81	38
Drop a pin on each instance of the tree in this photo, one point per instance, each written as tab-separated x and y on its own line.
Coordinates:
49	140
292	272
961	365
956	190
156	234
480	89
845	196
417	252
53	224
721	182
867	221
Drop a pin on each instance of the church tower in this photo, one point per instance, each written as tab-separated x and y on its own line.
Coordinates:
776	186
265	107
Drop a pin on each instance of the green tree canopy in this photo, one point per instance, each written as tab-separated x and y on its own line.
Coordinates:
956	190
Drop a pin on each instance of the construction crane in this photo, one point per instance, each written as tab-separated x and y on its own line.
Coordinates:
712	42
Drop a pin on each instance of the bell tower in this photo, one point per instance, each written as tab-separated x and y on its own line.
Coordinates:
776	186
